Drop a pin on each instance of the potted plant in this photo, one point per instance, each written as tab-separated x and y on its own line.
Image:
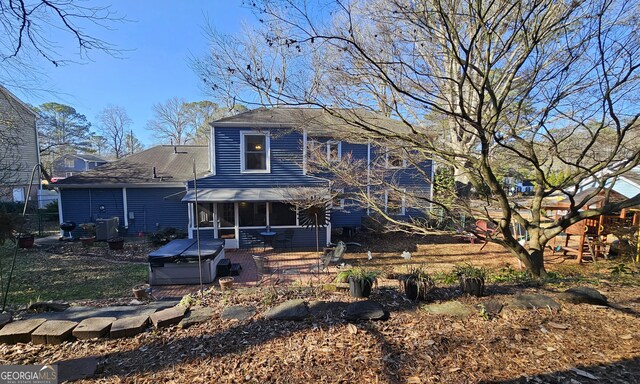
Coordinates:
89	230
360	281
471	279
417	284
116	243
25	240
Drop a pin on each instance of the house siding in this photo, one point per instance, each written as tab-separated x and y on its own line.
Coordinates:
152	211
83	205
286	162
19	125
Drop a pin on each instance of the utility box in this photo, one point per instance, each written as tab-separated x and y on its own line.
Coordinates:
107	228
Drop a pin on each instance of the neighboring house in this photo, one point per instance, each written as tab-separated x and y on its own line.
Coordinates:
524	187
19	151
627	184
72	164
249	178
143	190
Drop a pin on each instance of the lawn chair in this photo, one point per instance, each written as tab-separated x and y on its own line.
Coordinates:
332	255
263	269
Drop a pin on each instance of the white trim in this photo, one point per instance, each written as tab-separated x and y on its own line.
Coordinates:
60	217
304	152
125	208
328	234
212	151
433	167
190	216
328	144
267	144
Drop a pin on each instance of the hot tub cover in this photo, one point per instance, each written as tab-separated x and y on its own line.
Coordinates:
185	250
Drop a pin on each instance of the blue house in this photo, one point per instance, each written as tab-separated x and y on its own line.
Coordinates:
71	164
259	172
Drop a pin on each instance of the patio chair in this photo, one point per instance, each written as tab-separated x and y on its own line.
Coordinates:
332	255
484	232
285	239
263	268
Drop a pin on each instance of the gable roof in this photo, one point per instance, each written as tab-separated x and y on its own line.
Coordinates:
317	121
173	165
90	157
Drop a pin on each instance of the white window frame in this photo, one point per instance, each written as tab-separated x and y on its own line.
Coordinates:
341	206
328	144
69	160
68	174
403	211
402	155
267	144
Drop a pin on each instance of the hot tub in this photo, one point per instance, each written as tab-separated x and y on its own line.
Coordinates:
177	262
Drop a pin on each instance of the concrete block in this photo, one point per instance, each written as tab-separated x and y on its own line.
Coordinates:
19	331
167	317
93	328
128	326
53	332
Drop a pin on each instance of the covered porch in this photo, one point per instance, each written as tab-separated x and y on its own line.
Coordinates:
256	218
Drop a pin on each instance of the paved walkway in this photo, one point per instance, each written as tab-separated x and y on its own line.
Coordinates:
291	267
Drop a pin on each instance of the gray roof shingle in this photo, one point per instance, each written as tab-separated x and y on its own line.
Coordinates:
318	122
173	163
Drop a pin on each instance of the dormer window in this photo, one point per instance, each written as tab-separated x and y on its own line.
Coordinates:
255	152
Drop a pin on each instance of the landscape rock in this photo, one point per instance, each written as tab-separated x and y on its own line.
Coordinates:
93	328
196	315
451	308
53	332
5	318
583	295
289	310
534	301
167	317
491	307
238	312
44	306
19	331
76	369
128	326
365	310
321	309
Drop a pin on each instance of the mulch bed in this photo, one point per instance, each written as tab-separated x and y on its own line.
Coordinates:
411	347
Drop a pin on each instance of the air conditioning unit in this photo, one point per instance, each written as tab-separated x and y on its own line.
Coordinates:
107	228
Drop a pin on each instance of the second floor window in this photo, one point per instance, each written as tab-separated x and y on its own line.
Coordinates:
68	162
255	152
333	151
395	158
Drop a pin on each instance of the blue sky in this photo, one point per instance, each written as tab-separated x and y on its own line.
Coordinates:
156	45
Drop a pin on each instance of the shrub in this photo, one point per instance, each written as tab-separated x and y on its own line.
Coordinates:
165	235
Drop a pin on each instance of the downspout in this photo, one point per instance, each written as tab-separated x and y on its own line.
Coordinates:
304	152
124	206
433	167
212	151
60	218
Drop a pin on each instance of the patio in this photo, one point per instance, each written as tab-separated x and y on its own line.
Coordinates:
295	266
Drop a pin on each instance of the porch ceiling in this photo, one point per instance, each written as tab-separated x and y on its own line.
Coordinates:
255	194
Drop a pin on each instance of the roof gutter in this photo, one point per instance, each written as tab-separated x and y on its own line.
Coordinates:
119	185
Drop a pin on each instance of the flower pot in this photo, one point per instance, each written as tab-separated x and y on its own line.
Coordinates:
226	283
88	241
360	287
472	285
26	241
140	292
116	244
416	290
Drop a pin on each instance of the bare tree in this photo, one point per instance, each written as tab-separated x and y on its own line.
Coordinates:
171	121
26	36
519	80
114	123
